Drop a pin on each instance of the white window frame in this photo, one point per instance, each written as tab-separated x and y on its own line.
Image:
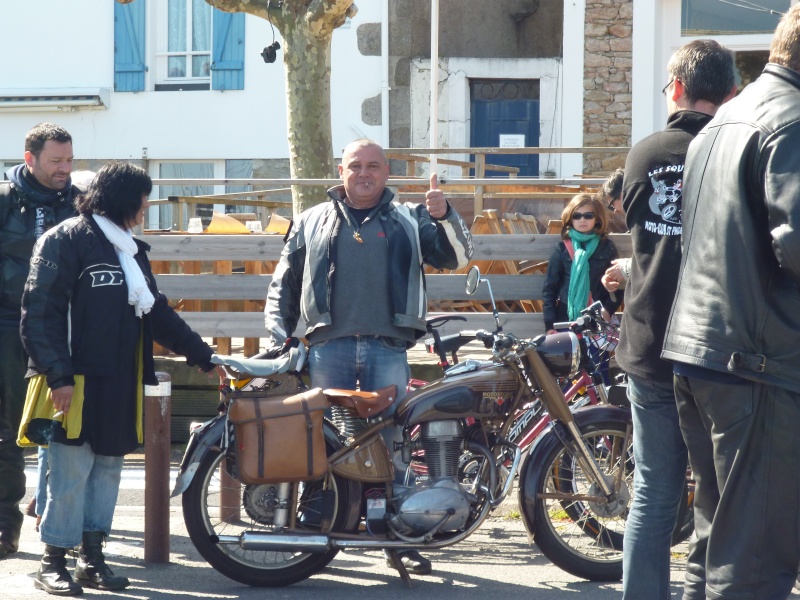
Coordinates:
161	55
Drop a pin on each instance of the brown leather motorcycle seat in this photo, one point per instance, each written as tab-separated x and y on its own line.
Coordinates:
366	404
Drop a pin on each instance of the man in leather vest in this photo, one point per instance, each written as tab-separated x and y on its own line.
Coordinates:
37	196
734	333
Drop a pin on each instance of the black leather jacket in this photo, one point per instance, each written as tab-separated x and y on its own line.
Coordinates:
737	308
20	208
75	311
556	288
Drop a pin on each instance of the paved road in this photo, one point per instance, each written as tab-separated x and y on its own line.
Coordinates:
496	561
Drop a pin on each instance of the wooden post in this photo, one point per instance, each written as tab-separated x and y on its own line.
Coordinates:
223	267
251	344
480	173
230	493
156	469
159	267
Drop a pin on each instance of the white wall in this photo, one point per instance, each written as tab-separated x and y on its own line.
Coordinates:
454	102
73	48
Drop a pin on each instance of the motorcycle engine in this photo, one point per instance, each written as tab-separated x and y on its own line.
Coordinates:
440	497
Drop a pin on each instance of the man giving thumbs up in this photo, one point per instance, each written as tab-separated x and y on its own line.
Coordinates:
352	267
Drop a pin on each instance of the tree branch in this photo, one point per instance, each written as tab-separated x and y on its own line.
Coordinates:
328	14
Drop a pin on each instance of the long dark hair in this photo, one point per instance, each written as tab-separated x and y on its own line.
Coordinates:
116	193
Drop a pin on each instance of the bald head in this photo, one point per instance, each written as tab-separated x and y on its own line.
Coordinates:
364	172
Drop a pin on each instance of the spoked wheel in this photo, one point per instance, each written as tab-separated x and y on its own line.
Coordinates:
581	535
217	505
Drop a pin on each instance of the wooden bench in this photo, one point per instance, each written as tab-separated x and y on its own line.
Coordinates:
256	253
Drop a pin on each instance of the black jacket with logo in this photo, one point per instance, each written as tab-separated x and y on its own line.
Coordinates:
651	197
75	313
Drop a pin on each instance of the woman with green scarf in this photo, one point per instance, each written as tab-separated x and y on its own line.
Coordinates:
578	263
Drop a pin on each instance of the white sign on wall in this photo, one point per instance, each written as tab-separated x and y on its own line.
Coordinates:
509	140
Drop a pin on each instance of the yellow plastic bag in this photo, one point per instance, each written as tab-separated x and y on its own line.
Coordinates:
37	416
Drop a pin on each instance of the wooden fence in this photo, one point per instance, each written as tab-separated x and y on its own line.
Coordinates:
219	282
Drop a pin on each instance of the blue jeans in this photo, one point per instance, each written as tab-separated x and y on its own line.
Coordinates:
661	459
368	363
362	362
41	480
82	494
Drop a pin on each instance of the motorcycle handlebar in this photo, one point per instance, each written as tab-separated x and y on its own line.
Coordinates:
504	342
485	337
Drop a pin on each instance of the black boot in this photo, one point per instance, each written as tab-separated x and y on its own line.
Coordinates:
413	561
52	576
91	568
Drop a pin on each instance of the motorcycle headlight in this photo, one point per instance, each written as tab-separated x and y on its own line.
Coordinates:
561	352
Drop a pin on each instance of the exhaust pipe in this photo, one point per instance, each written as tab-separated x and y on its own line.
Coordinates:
276	542
314	544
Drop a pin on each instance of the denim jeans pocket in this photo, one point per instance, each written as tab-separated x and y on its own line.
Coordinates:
393	344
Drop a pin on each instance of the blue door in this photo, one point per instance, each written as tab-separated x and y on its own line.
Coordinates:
506	113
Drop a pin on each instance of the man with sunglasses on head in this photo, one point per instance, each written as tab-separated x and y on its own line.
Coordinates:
701	78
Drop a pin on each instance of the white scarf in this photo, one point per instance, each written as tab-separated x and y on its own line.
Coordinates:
139	294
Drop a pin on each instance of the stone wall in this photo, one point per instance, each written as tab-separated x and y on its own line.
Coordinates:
607	81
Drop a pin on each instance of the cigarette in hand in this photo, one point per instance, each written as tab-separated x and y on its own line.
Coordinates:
58	414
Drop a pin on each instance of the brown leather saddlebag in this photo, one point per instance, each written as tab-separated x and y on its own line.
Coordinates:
279	438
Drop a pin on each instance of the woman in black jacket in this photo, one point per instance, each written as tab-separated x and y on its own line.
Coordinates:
90	313
578	263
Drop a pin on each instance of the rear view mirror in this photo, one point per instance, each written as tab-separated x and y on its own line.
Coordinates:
473	280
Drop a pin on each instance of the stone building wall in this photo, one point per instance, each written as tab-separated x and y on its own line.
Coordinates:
607	81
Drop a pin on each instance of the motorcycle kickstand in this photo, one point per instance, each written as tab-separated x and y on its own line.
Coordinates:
394	557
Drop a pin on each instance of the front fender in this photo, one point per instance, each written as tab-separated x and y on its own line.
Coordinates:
550	438
203	439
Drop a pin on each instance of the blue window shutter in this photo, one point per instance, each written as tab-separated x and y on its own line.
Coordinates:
129	29
227	60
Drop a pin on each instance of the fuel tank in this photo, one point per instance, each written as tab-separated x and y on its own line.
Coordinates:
477	389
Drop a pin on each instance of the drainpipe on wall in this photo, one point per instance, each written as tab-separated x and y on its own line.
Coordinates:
385	132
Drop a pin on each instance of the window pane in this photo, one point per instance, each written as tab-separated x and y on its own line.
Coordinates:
705	17
750	63
176	23
201	66
184	171
238	169
177	66
201	25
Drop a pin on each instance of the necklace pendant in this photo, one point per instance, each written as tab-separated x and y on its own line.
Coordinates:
357	237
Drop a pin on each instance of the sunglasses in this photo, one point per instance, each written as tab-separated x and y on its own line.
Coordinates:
578	216
666	87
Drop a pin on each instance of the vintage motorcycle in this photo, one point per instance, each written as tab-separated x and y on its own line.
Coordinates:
574	485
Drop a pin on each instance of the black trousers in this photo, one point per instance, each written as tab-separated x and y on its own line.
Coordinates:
744	449
13	385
